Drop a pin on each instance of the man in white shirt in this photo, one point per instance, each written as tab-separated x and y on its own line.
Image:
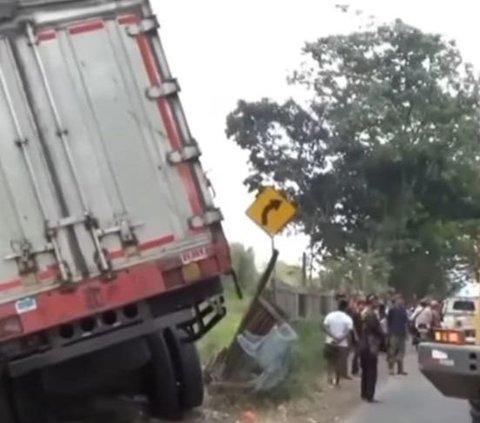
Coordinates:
337	326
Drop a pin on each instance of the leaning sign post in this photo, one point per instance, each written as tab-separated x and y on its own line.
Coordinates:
271	211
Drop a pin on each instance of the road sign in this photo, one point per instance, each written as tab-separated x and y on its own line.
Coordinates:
271	211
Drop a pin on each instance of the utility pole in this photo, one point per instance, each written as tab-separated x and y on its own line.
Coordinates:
274	273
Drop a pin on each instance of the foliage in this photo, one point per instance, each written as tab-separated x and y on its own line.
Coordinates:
222	335
383	153
243	261
357	271
289	273
307	362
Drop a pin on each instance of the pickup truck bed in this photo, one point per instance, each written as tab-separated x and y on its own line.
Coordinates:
453	369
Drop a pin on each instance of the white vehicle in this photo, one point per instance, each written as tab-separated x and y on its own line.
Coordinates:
459	314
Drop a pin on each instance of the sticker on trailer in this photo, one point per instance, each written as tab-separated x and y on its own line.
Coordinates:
194	255
26	305
439	355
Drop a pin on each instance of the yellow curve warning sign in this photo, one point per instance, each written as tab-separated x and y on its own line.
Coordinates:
271	211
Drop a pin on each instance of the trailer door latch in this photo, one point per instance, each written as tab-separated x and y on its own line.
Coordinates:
165	89
209	218
189	153
146	26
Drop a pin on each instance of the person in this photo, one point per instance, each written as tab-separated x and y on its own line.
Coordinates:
356	333
382	317
397	322
436	314
370	342
337	326
421	321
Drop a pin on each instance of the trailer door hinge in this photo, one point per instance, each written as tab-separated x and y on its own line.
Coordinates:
25	255
188	153
166	89
209	218
146	26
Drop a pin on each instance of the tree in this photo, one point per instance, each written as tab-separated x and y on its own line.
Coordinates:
383	154
243	262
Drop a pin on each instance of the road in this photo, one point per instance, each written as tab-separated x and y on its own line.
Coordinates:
410	399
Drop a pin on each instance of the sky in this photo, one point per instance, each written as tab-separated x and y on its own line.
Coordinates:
225	50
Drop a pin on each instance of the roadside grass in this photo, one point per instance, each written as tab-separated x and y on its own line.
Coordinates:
221	335
307	362
306	366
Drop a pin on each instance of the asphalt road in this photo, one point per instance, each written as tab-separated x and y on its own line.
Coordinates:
410	399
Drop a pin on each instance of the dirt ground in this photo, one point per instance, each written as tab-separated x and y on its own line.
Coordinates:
323	404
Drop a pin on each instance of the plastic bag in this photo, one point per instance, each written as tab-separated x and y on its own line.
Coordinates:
272	353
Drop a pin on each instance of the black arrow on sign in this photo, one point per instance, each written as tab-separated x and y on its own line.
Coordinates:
274	205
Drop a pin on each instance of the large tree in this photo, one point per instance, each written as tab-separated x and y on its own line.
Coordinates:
381	151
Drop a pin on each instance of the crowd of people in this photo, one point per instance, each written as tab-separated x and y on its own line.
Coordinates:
363	327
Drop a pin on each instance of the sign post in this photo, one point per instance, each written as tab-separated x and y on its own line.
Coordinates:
271	211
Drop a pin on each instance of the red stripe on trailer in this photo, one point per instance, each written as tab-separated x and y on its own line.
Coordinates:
84	27
56	307
155	243
127	19
46	35
148	245
12	284
52	271
165	111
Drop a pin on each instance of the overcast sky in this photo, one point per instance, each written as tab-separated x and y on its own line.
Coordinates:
224	50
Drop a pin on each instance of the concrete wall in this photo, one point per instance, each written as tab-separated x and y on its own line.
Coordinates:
302	305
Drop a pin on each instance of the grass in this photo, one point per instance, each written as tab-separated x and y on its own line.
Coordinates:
307	361
222	334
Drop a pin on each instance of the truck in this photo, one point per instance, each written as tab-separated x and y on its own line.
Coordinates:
451	359
113	252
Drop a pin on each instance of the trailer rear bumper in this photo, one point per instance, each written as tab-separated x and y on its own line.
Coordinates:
194	310
453	369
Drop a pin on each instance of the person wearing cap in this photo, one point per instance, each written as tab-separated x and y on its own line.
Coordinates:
369	347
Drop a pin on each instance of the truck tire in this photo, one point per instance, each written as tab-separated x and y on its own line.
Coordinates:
188	368
475	411
6	411
30	405
161	380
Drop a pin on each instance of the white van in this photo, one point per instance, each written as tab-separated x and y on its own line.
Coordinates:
459	313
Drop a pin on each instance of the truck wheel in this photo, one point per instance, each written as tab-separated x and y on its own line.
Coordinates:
161	383
29	399
188	367
475	411
6	411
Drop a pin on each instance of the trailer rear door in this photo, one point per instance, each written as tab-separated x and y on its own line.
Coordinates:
98	170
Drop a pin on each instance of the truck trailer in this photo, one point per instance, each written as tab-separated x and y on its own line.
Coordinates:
112	249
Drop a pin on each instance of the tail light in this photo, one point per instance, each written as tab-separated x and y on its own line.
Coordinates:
449	336
10	326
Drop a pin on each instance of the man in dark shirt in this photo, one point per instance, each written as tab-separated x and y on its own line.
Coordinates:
369	348
356	333
397	321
